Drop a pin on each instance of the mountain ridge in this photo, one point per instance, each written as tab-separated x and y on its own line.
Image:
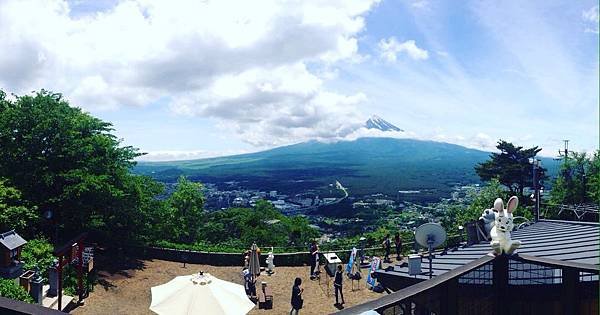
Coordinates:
364	166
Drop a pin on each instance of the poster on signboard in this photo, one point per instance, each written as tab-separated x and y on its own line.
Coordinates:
374	266
351	260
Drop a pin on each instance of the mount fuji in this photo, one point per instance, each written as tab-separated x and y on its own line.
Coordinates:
376	122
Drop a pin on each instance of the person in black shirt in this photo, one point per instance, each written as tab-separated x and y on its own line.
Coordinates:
398	242
314	252
387	245
296	297
337	284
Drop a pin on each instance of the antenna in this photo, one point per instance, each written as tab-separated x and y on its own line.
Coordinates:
430	236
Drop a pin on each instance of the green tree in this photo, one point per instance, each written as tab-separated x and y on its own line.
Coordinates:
479	201
38	253
65	160
511	167
187	208
570	186
460	214
263	224
13	213
593	178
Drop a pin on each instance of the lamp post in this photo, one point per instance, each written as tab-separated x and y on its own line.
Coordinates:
536	164
50	216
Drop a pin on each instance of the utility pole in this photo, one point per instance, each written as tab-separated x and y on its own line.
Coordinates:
564	154
536	164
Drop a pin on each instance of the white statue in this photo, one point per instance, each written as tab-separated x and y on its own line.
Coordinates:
488	216
270	262
503	224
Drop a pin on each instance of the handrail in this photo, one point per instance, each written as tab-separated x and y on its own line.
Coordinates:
9	306
347	249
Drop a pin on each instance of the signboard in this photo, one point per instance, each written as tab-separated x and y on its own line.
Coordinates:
351	261
90	265
74	251
374	266
88	256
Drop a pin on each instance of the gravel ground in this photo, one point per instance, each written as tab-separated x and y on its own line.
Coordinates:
126	290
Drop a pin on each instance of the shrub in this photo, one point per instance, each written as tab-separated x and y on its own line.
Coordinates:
10	289
38	253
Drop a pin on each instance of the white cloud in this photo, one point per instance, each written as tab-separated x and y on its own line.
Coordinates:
390	48
420	4
593	18
243	62
182	155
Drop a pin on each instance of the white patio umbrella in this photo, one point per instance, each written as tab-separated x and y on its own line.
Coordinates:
200	294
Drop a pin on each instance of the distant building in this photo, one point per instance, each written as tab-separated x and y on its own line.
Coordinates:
360	204
238	202
278	202
273	193
384	202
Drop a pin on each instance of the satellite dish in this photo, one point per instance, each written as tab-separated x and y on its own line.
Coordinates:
430	235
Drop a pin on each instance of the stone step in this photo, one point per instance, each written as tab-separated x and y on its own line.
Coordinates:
52	301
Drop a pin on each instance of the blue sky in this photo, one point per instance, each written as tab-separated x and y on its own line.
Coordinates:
201	79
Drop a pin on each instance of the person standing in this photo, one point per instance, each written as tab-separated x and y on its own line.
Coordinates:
398	241
337	284
387	245
249	283
297	300
314	252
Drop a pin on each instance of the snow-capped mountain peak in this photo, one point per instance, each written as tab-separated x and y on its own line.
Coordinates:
376	122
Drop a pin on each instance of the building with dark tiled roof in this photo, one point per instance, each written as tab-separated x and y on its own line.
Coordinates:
555	271
10	254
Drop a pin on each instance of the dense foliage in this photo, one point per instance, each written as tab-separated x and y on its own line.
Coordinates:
593	180
511	167
10	289
14	213
66	161
578	180
263	224
37	253
477	201
186	208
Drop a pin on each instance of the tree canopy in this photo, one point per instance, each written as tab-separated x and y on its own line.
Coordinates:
511	167
578	180
66	161
262	224
57	159
185	210
14	213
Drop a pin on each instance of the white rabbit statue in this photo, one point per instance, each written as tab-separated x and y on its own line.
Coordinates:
503	224
488	216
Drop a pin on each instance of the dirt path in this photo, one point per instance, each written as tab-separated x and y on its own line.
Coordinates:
128	291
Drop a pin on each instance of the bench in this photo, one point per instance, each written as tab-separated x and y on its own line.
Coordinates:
265	298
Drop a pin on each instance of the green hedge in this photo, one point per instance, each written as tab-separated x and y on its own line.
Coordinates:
10	289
